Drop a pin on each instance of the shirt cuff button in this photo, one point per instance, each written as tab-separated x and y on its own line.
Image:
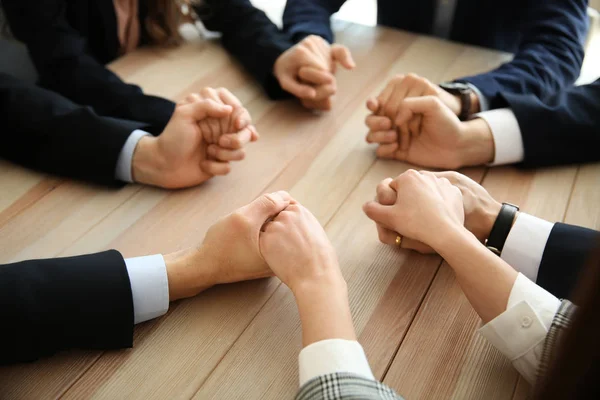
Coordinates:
526	321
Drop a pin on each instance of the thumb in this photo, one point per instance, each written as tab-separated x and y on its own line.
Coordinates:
417	105
208	108
377	212
267	206
342	55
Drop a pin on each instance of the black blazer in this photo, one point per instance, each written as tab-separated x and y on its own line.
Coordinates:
566	254
546	36
56	304
71	40
45	131
563	129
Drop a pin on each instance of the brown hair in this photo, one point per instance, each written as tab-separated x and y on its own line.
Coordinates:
163	21
575	370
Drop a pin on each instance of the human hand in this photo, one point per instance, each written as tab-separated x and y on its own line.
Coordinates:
481	210
230	250
387	196
307	70
298	251
181	157
443	141
425	208
226	137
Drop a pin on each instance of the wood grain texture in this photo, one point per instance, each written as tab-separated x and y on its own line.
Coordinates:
242	340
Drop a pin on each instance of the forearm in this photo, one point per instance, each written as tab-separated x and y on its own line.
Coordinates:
302	18
485	278
324	312
260	36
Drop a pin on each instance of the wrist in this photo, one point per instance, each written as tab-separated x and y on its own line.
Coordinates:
324	311
188	273
477	143
147	163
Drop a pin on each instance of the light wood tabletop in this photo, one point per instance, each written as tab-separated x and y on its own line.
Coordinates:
241	341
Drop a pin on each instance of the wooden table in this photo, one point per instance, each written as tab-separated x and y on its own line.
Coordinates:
242	340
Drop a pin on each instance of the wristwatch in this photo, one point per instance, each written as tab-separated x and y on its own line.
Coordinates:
464	91
501	229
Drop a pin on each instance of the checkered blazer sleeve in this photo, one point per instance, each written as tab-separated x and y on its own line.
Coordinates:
345	386
560	324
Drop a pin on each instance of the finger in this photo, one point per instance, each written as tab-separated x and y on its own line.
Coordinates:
404	137
387	236
419	105
315	76
325	91
342	54
208	108
205	129
254	133
392	107
190	98
385	194
241	118
384	97
267	206
209	93
378	123
322	105
411	244
215	129
414	126
383	137
373	105
387	150
379	213
221	154
228	98
297	89
215	167
234	141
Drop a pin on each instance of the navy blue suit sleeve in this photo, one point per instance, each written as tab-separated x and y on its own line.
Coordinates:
51	305
565	256
564	129
302	18
250	36
47	132
66	66
549	56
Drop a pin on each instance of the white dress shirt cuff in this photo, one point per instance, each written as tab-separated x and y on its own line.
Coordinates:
123	169
149	286
331	356
508	143
484	103
519	332
525	244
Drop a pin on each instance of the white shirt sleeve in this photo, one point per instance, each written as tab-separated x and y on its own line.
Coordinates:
519	332
149	286
123	169
525	244
508	142
333	355
484	103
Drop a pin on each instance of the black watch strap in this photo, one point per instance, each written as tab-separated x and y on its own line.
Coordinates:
463	91
501	228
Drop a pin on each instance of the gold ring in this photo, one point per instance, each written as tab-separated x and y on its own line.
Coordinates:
398	240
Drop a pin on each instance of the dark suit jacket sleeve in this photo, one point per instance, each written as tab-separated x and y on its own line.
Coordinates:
65	65
250	36
45	131
310	17
565	256
549	56
56	304
562	130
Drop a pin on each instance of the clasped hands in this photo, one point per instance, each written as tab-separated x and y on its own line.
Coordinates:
207	131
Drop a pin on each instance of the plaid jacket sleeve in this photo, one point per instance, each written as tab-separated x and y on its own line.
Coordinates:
345	386
560	324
